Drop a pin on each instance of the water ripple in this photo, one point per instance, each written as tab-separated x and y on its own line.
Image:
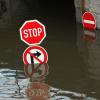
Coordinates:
13	86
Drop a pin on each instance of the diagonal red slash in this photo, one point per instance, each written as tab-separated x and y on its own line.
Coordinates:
35	69
35	57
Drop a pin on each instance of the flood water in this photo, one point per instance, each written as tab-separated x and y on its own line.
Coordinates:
73	68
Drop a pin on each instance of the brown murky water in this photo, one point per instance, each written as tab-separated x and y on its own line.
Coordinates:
73	69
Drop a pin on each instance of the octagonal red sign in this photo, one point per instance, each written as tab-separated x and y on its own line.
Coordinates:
32	32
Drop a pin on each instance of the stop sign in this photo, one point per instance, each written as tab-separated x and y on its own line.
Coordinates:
32	32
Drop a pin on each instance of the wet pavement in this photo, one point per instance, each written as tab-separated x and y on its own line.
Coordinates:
72	72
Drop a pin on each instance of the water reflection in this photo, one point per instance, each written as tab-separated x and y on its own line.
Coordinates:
37	72
12	84
59	94
88	43
38	91
89	36
31	84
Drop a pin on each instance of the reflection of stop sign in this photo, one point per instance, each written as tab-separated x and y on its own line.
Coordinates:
32	32
38	91
88	21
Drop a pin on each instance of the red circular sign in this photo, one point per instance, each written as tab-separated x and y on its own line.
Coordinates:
35	55
88	21
32	32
